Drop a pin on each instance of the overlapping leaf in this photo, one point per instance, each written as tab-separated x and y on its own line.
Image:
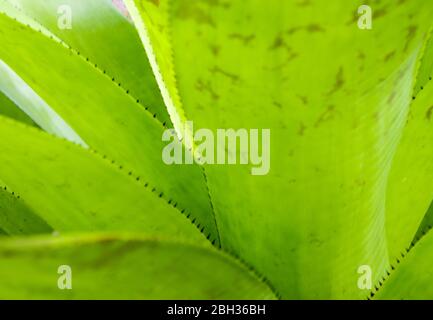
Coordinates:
16	218
105	115
410	183
413	276
123	267
73	189
101	33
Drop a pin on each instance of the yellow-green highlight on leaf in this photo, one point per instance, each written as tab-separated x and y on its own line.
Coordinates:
123	267
151	21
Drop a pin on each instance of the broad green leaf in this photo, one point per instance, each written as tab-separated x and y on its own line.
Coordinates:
102	34
104	115
11	110
410	182
73	189
123	267
16	218
412	277
150	18
425	72
425	225
416	174
336	99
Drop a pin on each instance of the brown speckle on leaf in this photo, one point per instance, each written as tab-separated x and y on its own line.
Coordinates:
278	43
326	116
303	3
389	56
206	86
379	13
301	130
232	76
314	28
277	104
411	32
245	39
391	97
304	99
189	10
339	81
217	3
429	113
215	49
293	30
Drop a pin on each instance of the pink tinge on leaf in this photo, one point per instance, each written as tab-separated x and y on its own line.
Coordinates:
121	7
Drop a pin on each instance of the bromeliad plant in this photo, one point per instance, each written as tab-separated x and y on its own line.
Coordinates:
84	106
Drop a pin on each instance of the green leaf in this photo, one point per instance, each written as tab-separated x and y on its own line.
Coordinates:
413	275
410	182
9	109
123	267
336	99
103	114
151	21
425	72
426	224
73	189
102	34
16	218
